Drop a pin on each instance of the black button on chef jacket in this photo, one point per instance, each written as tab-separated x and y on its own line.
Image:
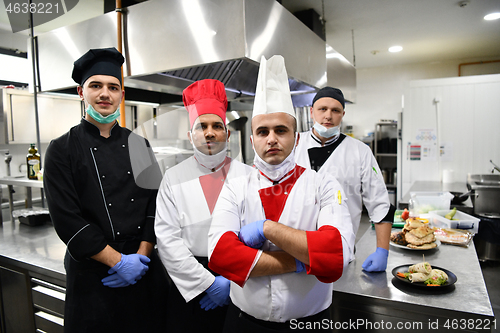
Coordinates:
91	193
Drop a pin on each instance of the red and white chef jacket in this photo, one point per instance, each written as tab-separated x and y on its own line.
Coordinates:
303	200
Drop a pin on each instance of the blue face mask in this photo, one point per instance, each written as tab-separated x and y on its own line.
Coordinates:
326	132
100	118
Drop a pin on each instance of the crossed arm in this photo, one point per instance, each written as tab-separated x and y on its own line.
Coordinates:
294	245
321	250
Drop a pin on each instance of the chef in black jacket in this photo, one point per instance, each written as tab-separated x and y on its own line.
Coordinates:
105	212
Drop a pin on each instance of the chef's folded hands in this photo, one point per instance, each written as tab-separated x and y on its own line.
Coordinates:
130	269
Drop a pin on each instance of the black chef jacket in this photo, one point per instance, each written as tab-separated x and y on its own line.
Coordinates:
94	201
92	196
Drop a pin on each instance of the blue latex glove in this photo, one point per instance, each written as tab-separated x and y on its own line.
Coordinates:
218	294
300	266
114	281
253	234
207	303
377	261
131	267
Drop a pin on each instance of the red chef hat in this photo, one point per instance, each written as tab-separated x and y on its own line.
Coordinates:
205	96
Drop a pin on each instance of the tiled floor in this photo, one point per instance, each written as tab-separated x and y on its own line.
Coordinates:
491	273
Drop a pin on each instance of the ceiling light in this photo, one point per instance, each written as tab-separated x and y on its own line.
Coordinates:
492	16
462	4
395	49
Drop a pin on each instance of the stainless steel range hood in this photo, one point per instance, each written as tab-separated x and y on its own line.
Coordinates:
170	44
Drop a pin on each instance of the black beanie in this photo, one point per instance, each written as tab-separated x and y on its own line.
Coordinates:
106	61
330	92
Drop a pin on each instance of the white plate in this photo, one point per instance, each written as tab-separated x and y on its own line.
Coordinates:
438	243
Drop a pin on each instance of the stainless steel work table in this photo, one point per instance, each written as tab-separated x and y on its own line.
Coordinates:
359	297
32	278
21	182
377	297
34	248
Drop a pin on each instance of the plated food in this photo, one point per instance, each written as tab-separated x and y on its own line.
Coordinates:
423	274
416	234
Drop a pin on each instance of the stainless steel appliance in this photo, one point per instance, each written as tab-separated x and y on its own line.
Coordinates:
168	44
485	189
485	196
487	240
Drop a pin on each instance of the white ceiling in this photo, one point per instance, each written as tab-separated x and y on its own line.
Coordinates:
428	30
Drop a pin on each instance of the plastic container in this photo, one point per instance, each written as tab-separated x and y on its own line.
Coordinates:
459	221
424	202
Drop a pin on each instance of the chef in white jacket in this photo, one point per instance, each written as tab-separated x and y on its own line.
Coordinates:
188	193
282	234
328	151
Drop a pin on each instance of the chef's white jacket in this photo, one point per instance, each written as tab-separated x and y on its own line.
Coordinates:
184	205
316	203
352	163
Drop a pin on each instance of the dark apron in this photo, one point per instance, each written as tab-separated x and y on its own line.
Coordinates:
92	307
190	317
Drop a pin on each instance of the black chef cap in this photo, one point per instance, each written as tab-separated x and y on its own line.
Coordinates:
106	61
330	92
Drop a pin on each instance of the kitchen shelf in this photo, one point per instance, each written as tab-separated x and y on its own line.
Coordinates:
385	152
384	146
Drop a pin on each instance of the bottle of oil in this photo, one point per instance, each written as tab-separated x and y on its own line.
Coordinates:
33	162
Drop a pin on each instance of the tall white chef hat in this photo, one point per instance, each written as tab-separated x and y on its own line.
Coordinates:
273	91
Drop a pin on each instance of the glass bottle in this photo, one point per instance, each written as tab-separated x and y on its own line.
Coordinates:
33	162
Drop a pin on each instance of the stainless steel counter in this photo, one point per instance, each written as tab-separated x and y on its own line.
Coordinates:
386	297
34	248
21	181
32	279
357	294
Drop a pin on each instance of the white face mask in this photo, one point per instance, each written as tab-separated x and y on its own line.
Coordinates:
278	171
326	132
210	161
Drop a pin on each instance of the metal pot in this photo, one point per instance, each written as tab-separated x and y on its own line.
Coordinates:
485	194
485	201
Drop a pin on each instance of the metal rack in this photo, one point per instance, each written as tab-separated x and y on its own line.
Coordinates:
386	155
